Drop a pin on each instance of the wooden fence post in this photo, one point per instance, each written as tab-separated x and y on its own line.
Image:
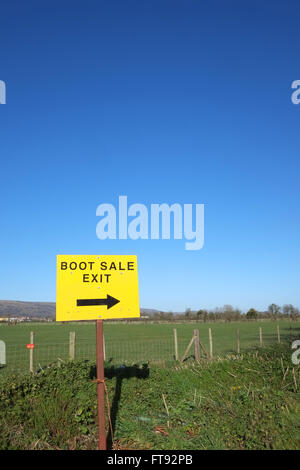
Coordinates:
278	333
238	342
210	343
72	346
260	337
188	348
31	352
197	345
175	344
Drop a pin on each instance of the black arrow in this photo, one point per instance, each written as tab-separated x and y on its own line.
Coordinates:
109	302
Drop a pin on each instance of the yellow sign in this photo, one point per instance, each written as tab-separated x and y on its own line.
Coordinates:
96	287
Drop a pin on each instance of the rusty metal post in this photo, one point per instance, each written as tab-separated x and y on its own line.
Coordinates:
100	385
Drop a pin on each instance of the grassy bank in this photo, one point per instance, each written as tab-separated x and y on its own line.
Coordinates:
245	402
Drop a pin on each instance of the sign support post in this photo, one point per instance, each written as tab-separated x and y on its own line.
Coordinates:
100	385
96	287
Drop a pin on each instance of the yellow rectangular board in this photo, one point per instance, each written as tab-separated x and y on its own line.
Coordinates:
96	287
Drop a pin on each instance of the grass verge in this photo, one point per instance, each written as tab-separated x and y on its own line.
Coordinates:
249	401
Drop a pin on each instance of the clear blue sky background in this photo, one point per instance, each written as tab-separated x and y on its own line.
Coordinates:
162	101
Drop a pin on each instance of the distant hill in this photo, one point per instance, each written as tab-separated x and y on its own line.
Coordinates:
148	311
14	308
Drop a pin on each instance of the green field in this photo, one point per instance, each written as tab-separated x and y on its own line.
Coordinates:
246	401
127	342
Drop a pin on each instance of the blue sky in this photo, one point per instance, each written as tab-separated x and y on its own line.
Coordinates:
162	101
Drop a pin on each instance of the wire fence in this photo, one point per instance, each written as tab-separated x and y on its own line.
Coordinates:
150	349
18	358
